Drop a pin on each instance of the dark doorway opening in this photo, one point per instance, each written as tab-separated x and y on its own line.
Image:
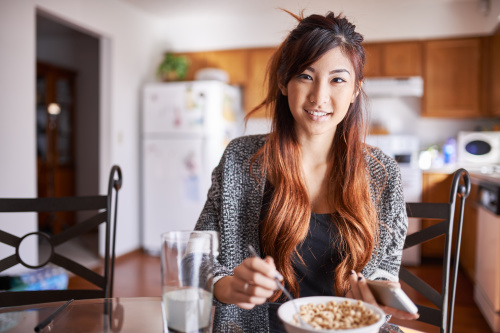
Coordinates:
67	113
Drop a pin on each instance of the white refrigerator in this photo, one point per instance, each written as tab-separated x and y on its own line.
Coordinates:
185	128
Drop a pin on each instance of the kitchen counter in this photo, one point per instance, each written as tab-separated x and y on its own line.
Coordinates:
478	173
481	178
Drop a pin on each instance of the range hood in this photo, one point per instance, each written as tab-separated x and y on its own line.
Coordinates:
386	87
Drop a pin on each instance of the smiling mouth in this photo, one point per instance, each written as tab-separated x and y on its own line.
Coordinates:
317	113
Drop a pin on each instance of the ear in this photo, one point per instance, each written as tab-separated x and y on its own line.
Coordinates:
283	89
356	93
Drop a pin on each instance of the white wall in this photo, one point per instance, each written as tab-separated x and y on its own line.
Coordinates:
130	50
377	20
17	127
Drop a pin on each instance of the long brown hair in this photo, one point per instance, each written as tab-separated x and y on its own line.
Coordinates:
287	221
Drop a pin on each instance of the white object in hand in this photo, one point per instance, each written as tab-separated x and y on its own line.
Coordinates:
188	309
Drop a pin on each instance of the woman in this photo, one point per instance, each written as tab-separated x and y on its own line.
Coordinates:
324	208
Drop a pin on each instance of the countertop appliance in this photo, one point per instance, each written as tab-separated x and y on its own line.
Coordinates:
185	129
478	147
404	149
487	288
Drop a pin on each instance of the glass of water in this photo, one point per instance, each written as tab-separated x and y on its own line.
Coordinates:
186	271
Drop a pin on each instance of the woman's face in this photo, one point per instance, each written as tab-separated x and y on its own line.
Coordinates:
320	96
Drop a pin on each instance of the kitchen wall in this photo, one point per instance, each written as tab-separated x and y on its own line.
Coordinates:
130	49
401	115
260	23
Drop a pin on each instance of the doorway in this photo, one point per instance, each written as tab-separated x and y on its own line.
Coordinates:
55	126
67	113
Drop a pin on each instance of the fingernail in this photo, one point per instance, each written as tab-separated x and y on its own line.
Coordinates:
353	272
278	276
360	278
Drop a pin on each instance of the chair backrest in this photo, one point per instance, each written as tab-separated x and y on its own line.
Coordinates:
106	208
444	300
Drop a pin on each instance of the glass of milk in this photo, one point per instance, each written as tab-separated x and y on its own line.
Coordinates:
186	271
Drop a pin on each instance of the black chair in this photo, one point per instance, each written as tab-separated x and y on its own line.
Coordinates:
105	209
445	300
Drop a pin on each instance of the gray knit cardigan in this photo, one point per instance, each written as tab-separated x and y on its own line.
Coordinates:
233	208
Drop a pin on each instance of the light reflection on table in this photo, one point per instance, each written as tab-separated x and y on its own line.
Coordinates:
127	314
137	314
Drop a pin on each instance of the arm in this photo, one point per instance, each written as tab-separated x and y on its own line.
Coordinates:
391	209
251	282
210	218
232	209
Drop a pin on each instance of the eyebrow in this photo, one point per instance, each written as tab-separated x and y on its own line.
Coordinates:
340	70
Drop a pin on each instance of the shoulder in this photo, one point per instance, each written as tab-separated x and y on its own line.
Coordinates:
384	174
381	165
246	145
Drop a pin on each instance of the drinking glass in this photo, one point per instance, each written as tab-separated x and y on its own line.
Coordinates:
186	270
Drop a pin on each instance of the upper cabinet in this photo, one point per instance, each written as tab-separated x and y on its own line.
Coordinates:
461	76
245	67
234	62
255	92
393	59
494	99
453	78
373	60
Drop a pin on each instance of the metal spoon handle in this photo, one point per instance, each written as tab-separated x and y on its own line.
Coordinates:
283	289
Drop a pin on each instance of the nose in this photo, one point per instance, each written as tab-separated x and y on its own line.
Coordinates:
319	93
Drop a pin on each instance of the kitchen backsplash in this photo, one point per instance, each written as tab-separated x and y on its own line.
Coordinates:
401	115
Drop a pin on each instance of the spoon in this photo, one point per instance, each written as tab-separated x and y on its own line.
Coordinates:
277	277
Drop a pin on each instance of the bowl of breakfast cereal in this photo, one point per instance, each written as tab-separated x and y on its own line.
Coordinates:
331	314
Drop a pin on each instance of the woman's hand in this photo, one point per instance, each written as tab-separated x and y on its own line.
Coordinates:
359	290
252	283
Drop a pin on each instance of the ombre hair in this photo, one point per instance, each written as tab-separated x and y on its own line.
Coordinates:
287	221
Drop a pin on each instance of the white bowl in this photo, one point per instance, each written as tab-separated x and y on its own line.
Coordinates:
286	312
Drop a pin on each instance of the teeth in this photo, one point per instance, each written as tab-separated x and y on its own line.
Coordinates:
315	113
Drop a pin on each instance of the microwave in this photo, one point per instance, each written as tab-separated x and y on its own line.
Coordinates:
478	147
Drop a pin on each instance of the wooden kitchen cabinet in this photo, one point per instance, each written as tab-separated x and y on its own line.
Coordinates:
373	65
436	188
453	78
397	59
246	68
234	62
454	72
494	83
255	87
469	232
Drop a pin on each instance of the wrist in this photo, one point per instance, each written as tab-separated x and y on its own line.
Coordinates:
222	290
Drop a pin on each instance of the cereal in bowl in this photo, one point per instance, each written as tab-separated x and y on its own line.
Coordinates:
335	315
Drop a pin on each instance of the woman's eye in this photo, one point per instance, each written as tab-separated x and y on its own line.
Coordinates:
338	80
305	77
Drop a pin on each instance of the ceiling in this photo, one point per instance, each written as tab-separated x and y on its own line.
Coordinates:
169	9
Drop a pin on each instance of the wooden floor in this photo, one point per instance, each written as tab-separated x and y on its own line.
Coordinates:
138	274
467	317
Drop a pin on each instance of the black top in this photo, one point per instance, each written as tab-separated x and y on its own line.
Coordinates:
319	251
320	254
